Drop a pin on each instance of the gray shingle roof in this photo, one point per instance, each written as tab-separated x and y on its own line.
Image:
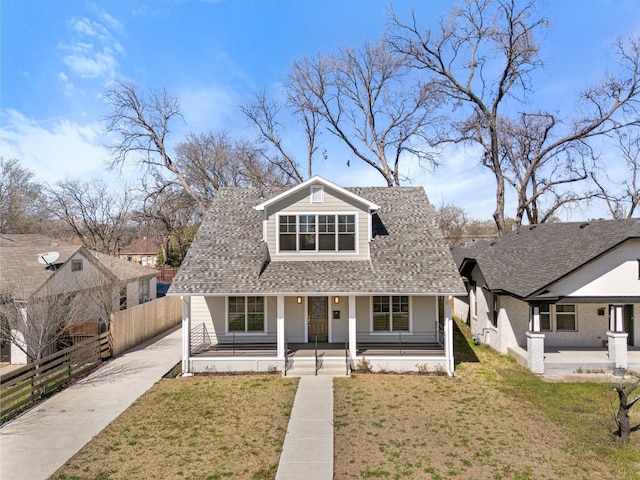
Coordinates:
525	262
227	255
21	271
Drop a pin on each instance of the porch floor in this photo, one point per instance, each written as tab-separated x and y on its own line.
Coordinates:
573	358
326	349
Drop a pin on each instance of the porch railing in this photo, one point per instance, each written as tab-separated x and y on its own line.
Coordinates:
440	334
346	357
286	356
400	342
233	343
200	339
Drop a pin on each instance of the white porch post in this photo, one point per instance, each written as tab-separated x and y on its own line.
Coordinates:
186	333
448	335
535	318
535	343
617	340
280	326
352	326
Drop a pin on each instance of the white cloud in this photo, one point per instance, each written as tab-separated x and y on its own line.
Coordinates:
93	51
63	149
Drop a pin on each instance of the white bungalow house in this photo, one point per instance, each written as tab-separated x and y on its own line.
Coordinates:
41	277
557	296
361	272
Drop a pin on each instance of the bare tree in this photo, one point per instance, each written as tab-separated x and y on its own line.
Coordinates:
36	325
262	113
21	201
166	213
370	102
623	420
142	123
537	173
623	197
453	223
210	161
96	216
481	58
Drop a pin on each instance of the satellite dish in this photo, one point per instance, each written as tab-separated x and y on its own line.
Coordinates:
48	258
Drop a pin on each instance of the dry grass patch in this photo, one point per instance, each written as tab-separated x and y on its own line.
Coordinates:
494	420
206	428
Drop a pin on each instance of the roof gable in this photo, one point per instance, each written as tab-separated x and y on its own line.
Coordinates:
526	262
317	180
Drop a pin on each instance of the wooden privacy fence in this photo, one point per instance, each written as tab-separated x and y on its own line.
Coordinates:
137	324
29	384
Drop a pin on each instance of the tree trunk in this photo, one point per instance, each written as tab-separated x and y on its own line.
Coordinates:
622	418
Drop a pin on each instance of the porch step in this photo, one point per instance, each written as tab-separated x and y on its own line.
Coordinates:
301	368
577	367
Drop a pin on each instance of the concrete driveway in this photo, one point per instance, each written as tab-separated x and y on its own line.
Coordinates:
37	443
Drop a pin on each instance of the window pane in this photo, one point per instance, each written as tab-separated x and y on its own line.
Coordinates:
236	322
326	223
288	242
380	304
381	322
327	241
255	322
401	321
307	223
308	241
347	223
545	317
565	308
288	224
401	304
565	321
346	242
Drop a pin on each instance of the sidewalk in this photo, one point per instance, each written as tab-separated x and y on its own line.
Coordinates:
36	444
308	446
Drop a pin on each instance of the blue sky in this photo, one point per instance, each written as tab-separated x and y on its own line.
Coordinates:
58	57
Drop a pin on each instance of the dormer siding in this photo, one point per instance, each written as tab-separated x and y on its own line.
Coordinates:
333	203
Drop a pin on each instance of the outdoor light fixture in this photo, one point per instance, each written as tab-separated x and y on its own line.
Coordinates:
336	300
299	299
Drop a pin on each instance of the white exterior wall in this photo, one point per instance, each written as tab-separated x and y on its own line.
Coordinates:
299	203
513	322
461	308
591	328
612	275
481	323
295	320
339	328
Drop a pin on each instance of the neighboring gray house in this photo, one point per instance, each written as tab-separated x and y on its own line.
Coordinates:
364	271
36	269
558	287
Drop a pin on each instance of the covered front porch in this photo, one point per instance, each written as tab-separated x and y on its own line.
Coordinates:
426	343
616	355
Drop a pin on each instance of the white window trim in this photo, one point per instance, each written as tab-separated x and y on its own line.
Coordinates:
316	251
391	332
245	332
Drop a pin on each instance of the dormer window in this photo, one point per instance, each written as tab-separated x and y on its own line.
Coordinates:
317	194
317	233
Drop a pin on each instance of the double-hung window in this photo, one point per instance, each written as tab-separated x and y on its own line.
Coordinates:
317	233
246	314
566	318
390	313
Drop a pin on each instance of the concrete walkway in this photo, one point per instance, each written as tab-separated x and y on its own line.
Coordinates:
308	446
36	444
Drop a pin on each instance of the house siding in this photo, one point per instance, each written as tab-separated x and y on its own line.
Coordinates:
299	203
615	274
